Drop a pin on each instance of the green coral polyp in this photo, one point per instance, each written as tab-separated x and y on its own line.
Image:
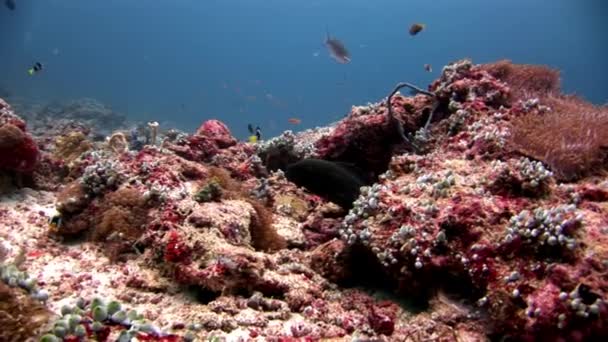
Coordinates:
100	313
113	307
72	324
119	316
49	338
212	191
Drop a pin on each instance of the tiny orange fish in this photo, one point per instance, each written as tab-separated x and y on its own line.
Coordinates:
416	28
294	121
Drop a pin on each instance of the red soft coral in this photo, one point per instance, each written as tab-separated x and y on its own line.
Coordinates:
18	151
525	80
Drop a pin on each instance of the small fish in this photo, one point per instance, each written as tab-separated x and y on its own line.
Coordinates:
10	4
37	67
294	121
256	135
55	222
337	50
428	68
416	28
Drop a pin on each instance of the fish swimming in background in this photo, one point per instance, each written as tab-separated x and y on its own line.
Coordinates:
337	50
416	28
337	182
256	135
10	4
294	121
428	68
37	67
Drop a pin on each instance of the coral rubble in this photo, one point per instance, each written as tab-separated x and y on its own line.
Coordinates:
469	236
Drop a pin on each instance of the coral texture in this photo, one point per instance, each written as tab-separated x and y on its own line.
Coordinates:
18	151
568	134
526	80
21	317
465	233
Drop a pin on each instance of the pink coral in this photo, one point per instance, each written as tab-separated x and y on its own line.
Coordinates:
208	140
366	138
218	132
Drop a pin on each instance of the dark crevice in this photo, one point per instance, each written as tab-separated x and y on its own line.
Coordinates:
368	275
202	295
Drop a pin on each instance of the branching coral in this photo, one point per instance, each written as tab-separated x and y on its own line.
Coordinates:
101	176
520	177
547	231
572	138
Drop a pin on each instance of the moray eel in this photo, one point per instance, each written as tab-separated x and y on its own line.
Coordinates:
337	182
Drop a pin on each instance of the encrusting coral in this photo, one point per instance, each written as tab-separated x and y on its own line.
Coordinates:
71	146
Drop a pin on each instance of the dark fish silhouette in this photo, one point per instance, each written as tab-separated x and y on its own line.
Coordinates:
335	181
337	50
416	28
37	67
10	4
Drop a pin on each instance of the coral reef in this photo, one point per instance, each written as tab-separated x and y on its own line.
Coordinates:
86	111
464	232
18	151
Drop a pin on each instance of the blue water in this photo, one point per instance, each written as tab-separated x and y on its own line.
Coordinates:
263	61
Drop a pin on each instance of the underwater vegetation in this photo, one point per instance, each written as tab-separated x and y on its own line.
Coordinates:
481	201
